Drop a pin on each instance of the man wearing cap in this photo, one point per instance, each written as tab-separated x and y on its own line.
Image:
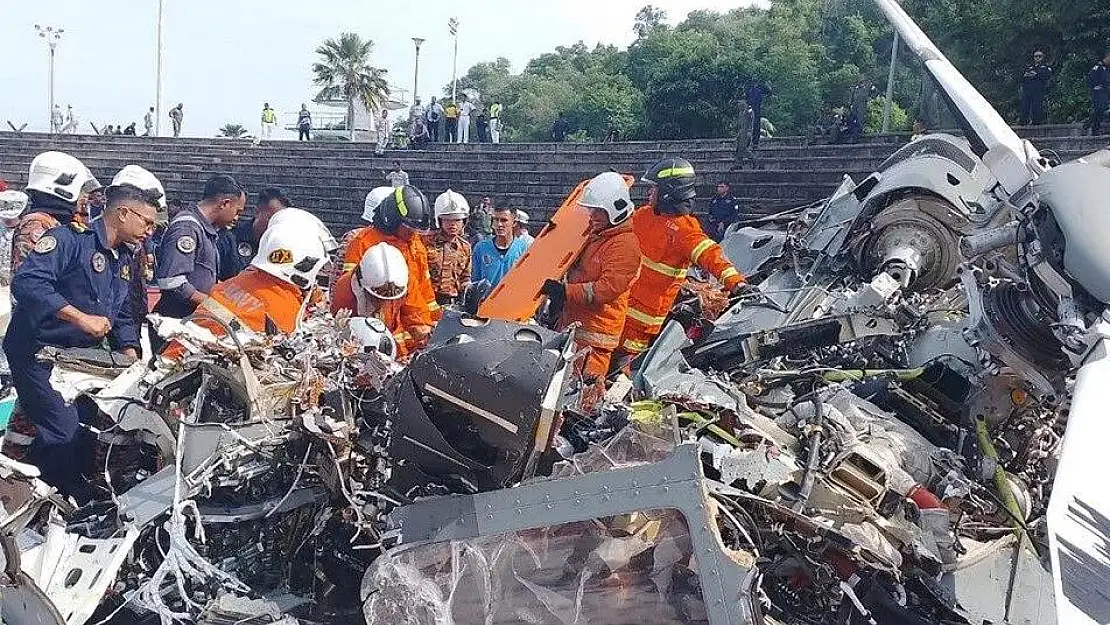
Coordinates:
188	259
72	291
521	229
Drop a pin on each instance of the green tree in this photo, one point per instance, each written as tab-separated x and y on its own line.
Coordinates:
233	131
648	20
344	72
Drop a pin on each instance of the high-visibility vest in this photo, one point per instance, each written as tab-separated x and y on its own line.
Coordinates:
268	116
495	111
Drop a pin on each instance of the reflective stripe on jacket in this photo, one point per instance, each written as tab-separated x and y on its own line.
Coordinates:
669	245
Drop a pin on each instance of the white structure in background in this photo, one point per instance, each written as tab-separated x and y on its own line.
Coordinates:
329	118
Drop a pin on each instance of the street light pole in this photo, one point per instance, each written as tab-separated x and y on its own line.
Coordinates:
890	84
158	78
51	36
453	24
416	69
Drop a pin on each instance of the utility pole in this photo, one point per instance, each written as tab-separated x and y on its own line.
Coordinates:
51	36
890	84
453	24
158	78
416	70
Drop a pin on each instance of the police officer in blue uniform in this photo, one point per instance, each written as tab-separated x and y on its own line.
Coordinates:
188	258
72	291
238	245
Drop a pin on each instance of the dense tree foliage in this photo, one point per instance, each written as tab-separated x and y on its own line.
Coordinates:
683	81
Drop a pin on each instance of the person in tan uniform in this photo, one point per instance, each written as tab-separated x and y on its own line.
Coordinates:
448	250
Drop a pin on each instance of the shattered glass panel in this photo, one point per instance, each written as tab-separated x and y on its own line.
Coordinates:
628	569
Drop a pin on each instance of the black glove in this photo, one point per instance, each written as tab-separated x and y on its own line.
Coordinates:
555	291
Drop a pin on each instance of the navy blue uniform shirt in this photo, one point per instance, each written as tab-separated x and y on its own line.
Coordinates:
188	261
71	265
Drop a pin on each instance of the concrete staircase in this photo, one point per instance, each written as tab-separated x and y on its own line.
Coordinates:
331	179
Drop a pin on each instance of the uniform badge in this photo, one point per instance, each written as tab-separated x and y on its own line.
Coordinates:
281	256
125	272
245	250
187	245
46	244
99	262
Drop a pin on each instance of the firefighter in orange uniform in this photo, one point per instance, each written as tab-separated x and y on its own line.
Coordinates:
671	240
375	289
399	220
271	294
597	287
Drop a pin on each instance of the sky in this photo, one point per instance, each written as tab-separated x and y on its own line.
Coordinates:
224	58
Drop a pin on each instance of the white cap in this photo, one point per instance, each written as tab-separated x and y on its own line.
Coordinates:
609	192
451	204
291	252
141	179
384	272
521	217
373	198
58	174
307	220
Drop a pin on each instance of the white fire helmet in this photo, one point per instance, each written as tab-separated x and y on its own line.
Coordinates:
372	335
608	192
451	204
58	174
144	180
384	272
373	198
308	221
291	252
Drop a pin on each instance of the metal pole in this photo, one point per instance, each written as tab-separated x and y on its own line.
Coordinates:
454	23
158	78
416	69
52	128
890	83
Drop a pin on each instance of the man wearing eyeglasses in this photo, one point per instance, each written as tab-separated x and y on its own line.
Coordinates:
188	258
72	291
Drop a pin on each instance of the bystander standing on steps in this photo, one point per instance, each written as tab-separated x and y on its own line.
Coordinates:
480	224
1034	87
269	121
177	116
723	211
304	124
1098	80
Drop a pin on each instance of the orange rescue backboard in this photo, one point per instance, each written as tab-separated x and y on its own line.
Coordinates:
517	297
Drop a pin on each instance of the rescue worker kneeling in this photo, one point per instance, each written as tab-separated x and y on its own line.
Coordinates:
597	286
375	290
399	220
271	295
72	291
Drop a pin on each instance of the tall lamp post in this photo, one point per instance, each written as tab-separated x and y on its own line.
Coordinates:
453	25
158	77
416	69
51	36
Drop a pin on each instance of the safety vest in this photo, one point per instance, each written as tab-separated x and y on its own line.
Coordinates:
268	116
495	111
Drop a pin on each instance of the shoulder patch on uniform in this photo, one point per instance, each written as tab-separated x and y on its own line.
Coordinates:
186	244
281	256
99	262
46	244
245	249
125	272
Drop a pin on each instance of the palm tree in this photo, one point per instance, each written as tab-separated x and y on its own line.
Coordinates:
233	131
345	71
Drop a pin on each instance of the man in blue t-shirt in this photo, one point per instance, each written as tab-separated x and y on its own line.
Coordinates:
494	257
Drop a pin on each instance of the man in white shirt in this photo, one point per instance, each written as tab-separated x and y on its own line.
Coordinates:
398	177
416	111
433	115
464	120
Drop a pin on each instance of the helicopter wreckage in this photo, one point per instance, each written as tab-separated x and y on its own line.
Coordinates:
901	424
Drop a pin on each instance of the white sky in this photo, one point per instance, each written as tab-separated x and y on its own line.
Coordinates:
223	58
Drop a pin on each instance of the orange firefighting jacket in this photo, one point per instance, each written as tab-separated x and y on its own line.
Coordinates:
598	288
449	263
419	308
253	295
669	244
343	298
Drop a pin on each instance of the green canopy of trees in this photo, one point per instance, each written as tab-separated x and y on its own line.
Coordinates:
683	81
